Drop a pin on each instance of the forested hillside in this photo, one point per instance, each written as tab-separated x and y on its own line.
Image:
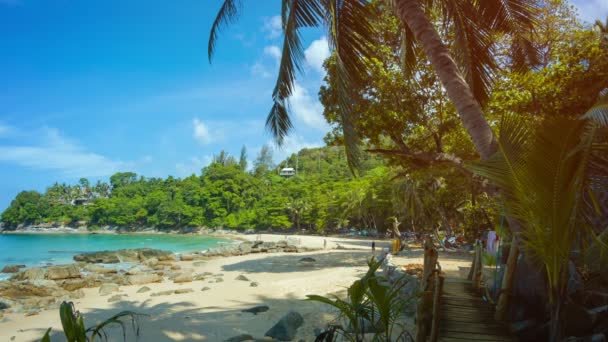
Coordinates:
323	195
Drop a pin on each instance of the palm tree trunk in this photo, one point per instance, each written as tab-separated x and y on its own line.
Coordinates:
459	92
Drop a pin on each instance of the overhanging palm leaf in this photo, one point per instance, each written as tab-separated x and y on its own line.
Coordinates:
295	15
227	14
350	35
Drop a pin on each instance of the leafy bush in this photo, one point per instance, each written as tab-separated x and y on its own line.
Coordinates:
75	331
373	305
489	259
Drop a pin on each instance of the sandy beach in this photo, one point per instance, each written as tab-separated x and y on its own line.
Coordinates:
214	314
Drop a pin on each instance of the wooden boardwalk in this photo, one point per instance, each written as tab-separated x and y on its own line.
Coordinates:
464	316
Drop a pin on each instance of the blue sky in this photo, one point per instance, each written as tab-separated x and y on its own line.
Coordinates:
92	87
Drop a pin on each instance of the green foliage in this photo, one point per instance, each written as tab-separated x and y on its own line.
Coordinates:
489	259
223	195
74	329
545	172
370	300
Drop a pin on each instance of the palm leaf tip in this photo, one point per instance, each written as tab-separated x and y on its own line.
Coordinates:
278	121
228	13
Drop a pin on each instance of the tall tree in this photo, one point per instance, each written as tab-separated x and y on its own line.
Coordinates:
243	158
263	161
350	33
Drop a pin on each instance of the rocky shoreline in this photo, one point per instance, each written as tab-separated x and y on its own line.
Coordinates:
33	289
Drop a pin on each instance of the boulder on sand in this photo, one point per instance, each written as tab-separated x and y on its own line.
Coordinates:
133	255
143	278
183	278
257	309
107	289
63	272
32	273
286	328
143	289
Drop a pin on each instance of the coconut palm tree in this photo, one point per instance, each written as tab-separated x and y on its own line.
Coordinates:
602	29
545	174
349	31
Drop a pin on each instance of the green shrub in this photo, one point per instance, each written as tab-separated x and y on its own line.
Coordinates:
74	329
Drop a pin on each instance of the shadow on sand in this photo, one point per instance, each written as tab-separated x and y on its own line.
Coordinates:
284	263
183	321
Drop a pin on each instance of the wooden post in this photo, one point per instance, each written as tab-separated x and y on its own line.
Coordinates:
474	263
425	309
504	299
478	267
438	281
430	260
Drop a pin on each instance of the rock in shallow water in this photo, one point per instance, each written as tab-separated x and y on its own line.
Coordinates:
12	268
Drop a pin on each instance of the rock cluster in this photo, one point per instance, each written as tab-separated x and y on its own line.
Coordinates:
125	255
34	289
248	247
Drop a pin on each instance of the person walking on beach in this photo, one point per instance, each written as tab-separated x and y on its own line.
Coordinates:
324	243
373	247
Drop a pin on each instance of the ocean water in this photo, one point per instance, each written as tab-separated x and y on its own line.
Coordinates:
42	249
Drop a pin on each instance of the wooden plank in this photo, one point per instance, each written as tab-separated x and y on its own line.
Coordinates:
455	326
473	337
472	329
464	318
455	310
467	303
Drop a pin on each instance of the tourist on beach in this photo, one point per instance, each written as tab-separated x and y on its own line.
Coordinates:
324	243
374	247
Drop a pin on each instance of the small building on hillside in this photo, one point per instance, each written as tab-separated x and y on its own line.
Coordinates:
287	171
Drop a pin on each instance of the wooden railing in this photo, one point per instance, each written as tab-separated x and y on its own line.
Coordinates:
431	286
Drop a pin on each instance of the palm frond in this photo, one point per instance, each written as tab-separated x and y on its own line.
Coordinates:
473	46
227	14
278	121
516	18
408	51
295	15
599	112
99	330
350	35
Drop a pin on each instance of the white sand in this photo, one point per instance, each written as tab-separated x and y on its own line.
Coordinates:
215	315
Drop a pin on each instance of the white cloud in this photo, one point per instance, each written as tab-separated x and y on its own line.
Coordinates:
258	69
57	153
274	52
591	10
5	130
193	166
316	53
292	144
273	26
307	109
201	132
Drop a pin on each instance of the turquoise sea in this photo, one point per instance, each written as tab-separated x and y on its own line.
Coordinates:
41	249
